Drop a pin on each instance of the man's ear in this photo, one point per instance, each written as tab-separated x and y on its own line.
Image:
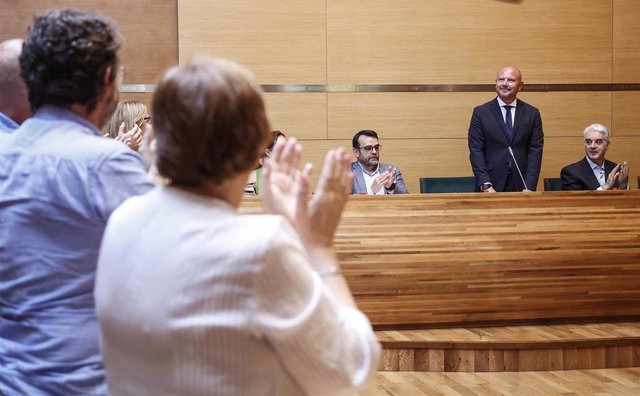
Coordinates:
109	83
109	78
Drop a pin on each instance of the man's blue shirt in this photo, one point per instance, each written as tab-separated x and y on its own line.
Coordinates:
7	125
60	180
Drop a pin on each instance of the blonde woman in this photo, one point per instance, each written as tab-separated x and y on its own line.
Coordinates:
130	116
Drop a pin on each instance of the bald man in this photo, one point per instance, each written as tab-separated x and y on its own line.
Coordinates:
14	100
506	138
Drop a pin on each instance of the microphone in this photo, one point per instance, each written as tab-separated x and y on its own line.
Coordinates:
518	168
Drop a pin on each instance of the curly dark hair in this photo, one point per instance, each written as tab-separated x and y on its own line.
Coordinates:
65	56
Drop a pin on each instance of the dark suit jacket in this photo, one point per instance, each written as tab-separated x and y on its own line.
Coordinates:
579	175
360	187
489	145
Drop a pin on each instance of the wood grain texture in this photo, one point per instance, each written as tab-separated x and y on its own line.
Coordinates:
512	348
445	259
149	30
438	115
565	336
607	382
303	116
626	46
625	115
283	42
391	41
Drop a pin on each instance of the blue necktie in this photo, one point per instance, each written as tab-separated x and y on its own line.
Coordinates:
507	120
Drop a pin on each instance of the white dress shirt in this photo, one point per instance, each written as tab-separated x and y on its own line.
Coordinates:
370	178
514	104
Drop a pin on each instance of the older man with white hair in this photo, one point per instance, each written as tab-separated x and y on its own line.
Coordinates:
594	172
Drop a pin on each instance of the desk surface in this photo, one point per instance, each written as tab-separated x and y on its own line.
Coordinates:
461	259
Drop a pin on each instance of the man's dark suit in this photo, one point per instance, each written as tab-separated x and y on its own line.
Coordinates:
489	145
579	175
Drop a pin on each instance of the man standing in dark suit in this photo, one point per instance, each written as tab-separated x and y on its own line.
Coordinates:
370	177
594	172
506	138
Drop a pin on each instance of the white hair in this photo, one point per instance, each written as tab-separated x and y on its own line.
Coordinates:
597	128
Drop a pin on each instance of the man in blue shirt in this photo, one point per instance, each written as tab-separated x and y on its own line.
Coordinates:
14	104
60	180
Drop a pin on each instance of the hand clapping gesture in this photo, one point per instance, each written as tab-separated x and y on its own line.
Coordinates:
286	192
132	138
619	175
385	179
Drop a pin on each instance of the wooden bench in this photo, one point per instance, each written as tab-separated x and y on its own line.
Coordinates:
443	260
427	269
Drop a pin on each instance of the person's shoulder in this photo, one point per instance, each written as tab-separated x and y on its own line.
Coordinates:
134	207
524	105
104	146
573	166
486	106
610	164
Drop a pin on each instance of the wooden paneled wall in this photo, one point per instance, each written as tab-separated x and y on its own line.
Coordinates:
347	42
149	29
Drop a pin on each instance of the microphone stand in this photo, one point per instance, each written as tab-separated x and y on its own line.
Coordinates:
518	168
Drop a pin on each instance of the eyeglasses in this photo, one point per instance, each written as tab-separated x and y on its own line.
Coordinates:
146	119
369	149
598	142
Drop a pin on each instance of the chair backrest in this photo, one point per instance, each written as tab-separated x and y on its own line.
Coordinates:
448	184
552	184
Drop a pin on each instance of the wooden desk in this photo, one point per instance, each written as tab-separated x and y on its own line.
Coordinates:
437	260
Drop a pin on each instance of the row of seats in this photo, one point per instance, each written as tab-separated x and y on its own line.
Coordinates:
468	184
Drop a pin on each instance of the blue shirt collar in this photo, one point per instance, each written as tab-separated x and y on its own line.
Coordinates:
54	113
7	124
593	165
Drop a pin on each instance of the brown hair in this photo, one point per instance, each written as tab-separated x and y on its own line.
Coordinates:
274	138
209	120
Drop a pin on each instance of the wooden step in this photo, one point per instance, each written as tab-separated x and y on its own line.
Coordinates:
512	348
606	382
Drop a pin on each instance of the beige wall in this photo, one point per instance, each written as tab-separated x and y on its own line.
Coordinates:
347	42
149	29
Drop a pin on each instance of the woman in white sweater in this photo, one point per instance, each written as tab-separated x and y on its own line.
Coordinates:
194	298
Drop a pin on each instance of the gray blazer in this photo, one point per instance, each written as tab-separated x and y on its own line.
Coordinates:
360	187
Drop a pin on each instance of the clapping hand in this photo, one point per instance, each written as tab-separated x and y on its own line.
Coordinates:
385	179
286	192
623	178
613	178
132	138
